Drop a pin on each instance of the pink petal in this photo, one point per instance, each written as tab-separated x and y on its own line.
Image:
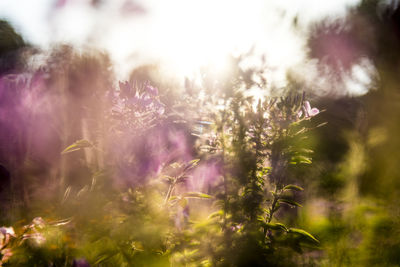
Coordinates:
313	112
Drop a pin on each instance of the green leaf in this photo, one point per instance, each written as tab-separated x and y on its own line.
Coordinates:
303	233
260	218
61	222
290	202
305	150
66	194
183	202
301	159
219	213
206	263
196	195
293	187
302	130
104	257
264	171
173	198
175	165
191	164
82	191
266	211
321	124
275	226
191	253
78	145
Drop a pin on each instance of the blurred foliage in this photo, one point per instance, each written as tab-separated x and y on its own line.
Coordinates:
120	178
356	211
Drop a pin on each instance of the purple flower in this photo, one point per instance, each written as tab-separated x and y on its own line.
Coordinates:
80	263
151	90
236	228
140	101
308	111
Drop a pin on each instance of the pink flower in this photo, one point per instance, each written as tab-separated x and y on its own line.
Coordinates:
7	253
80	263
5	234
151	90
308	111
7	231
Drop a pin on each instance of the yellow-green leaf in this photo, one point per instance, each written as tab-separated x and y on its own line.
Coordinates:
275	226
293	187
303	233
290	202
196	195
78	145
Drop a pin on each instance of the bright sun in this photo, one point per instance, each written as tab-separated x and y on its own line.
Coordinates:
186	35
203	33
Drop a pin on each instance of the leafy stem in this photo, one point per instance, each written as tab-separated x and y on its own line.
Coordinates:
169	192
273	207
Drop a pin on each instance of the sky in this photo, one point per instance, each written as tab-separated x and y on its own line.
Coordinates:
179	35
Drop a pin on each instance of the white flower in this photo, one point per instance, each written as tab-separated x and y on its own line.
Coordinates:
7	231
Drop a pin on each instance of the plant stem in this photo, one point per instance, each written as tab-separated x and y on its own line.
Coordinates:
273	205
169	192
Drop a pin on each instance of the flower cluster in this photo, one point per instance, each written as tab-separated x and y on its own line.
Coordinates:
140	97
